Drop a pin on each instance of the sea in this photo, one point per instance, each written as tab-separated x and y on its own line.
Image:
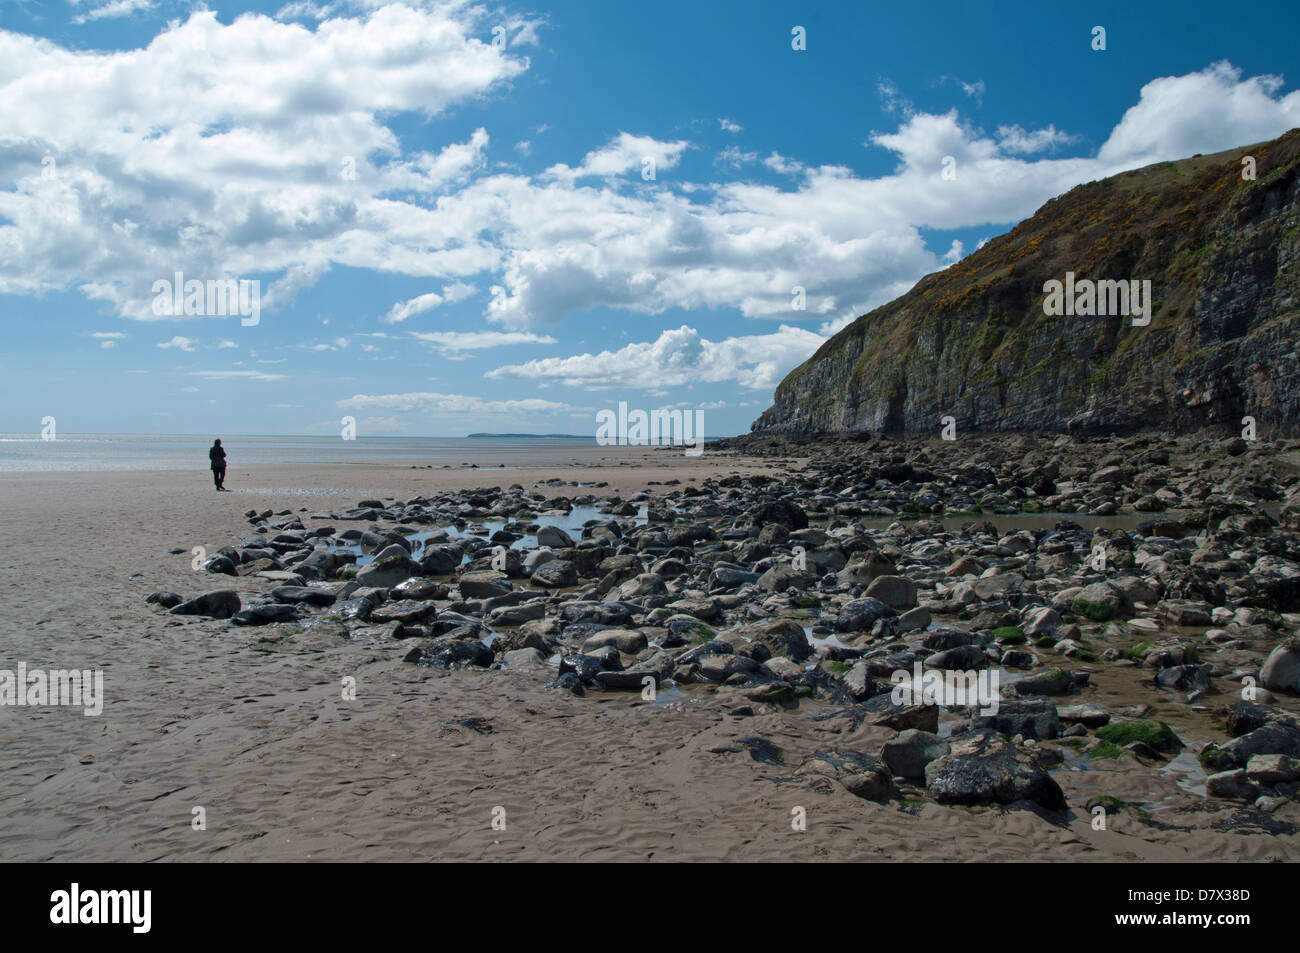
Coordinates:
28	452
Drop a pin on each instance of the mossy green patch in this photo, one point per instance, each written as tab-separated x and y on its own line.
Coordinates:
1134	652
1095	611
1107	749
1156	734
1009	635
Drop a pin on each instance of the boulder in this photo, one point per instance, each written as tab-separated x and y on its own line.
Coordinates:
221	604
988	769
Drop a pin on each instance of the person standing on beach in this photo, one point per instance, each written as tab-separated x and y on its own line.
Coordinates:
217	456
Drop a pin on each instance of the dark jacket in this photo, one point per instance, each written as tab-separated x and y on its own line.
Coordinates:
218	457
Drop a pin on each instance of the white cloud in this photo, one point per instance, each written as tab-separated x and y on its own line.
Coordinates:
622	155
227	167
235	375
733	156
107	339
457	341
432	403
113	9
1209	111
249	147
459	291
779	163
1016	141
677	358
405	309
180	343
729	125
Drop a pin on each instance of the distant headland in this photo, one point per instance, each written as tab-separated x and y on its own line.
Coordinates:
530	436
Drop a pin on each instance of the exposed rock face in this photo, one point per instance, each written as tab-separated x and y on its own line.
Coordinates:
973	341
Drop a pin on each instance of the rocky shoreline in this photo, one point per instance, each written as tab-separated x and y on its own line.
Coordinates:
808	590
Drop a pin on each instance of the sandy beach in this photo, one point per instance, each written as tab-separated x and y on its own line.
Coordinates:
252	728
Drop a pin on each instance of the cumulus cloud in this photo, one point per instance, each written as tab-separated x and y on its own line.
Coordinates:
180	343
1208	111
223	167
226	166
624	154
677	358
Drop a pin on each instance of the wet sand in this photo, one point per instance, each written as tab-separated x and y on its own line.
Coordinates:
252	728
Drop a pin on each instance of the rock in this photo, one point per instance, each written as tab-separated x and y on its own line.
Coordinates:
405	611
359	609
1099	602
265	613
537	557
1050	681
864	569
860	683
861	774
569	682
1185	612
959	658
307	594
1030	718
221	564
1187	678
1267	739
1273	769
1088	715
913	620
1043	620
781	512
516	615
861	614
910	751
449	653
781	578
782	637
419	589
221	604
554	537
903	717
1281	670
555	574
897	592
1231	784
986	769
439	560
642	585
524	659
718	668
1156	735
628	681
386	572
726	577
168	600
483	584
626	641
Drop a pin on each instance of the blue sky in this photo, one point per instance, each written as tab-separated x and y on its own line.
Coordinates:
456	235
